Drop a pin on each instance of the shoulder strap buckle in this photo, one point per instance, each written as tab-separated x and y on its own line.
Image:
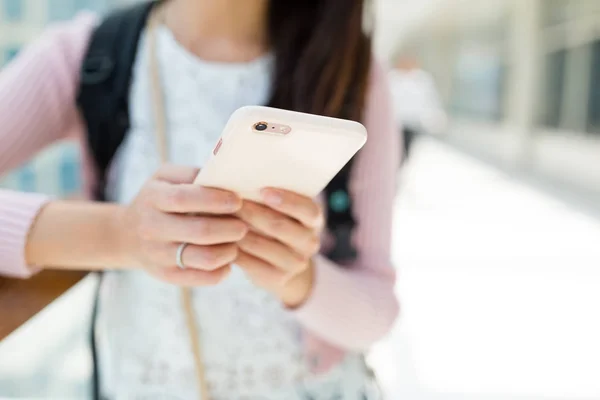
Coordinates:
96	68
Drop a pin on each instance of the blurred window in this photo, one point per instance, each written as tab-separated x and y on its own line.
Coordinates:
478	83
82	4
594	103
557	11
27	178
13	9
10	53
59	10
69	171
553	88
589	7
92	5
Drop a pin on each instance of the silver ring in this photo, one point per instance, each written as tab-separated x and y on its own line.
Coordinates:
179	257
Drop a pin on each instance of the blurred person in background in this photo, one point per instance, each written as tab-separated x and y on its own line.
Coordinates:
287	322
417	105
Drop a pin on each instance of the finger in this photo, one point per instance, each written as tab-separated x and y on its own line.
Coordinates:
189	198
200	230
280	227
176	173
207	258
193	277
301	208
260	272
272	252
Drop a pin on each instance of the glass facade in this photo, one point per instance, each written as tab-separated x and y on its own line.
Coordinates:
12	10
10	52
59	10
556	11
56	171
479	72
477	89
594	103
569	98
552	87
567	64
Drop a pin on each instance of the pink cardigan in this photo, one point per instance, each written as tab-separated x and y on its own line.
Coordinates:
349	308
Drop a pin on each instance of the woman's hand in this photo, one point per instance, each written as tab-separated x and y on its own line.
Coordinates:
284	236
169	211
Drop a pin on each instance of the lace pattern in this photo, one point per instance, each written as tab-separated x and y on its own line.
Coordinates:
251	345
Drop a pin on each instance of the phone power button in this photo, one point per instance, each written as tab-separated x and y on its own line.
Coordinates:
218	147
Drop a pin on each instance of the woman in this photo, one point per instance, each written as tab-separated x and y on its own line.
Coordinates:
286	324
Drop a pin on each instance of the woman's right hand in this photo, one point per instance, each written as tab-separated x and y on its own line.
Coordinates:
171	210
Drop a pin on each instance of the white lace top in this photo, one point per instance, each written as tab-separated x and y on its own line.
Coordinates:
252	347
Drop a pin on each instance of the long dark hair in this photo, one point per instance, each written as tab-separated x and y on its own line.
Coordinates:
322	56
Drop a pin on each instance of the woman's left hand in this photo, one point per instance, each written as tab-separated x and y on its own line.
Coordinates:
284	236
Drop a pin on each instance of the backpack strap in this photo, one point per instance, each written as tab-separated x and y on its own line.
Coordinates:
340	219
105	81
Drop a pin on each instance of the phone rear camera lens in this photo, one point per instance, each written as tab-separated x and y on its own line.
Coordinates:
261	126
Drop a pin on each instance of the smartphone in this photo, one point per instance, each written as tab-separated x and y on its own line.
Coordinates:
268	147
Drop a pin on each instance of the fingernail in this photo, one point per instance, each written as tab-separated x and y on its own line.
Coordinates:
272	197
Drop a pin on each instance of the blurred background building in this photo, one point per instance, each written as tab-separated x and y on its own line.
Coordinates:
521	78
22	20
56	171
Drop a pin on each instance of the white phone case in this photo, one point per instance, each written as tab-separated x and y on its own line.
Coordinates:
303	160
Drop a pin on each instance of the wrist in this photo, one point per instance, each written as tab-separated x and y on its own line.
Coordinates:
76	235
117	237
298	289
